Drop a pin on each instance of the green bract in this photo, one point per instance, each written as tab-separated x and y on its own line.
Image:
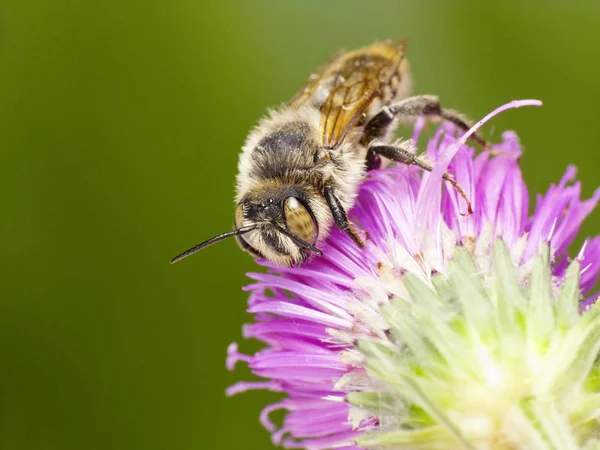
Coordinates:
485	362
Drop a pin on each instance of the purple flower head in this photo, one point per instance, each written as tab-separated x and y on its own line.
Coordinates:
314	318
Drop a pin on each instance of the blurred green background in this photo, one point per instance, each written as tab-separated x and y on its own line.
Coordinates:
120	125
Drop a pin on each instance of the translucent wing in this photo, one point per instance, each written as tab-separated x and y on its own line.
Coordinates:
345	87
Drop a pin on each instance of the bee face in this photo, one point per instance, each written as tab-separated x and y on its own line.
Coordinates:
286	228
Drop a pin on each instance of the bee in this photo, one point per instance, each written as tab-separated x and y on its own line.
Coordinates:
300	168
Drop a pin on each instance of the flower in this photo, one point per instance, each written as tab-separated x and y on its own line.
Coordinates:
446	331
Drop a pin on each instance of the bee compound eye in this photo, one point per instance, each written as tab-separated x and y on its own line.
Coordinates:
299	220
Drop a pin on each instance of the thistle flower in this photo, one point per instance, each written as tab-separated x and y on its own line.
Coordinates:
446	331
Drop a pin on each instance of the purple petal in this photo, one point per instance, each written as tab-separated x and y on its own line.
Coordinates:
308	316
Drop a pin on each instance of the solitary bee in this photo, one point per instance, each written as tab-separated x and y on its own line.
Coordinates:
300	168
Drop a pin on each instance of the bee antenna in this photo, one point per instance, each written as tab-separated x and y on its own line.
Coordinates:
301	242
211	241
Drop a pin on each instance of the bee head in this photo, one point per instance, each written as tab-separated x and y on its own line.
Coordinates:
280	223
285	221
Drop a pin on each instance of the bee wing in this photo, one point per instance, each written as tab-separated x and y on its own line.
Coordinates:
317	81
344	88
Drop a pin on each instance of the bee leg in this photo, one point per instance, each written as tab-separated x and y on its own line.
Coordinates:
340	217
410	109
404	156
373	160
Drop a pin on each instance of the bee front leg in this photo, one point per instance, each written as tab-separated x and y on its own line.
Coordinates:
410	109
404	153
340	217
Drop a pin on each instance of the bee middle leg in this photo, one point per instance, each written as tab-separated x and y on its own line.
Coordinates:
412	108
340	217
404	153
